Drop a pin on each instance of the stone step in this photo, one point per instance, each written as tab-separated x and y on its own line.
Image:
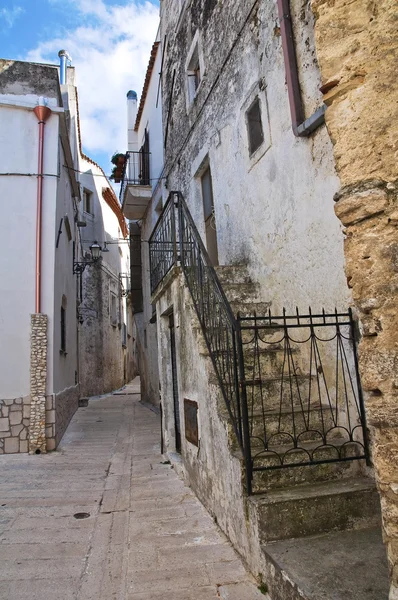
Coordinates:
271	361
241	293
275	424
249	308
335	566
275	393
286	454
292	476
314	508
233	274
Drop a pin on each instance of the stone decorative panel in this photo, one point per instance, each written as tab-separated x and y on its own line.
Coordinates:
14	425
38	381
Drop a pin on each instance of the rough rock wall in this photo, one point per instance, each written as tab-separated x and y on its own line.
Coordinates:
357	47
38	383
100	347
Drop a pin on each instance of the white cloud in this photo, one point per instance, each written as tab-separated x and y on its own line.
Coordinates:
10	15
110	50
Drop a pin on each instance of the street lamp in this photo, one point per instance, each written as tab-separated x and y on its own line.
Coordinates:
79	266
95	250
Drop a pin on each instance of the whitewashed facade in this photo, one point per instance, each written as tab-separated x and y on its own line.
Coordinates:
22	87
145	125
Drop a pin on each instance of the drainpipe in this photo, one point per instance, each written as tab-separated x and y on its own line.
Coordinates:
301	127
42	112
64	59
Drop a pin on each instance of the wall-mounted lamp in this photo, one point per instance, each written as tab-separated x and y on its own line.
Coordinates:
95	249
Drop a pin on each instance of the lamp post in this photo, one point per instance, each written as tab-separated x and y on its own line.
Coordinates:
79	266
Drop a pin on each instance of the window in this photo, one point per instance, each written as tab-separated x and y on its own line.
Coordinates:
209	216
113	310
68	228
87	202
193	74
207	194
254	126
194	67
63	326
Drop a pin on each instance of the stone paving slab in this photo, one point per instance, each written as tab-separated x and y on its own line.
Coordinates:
147	537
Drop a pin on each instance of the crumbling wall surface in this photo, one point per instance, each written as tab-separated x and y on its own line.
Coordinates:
273	208
357	48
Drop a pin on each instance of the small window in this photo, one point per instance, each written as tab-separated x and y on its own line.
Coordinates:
68	228
194	75
194	68
87	202
63	326
113	310
254	126
207	194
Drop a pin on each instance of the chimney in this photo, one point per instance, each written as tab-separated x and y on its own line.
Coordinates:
64	58
132	136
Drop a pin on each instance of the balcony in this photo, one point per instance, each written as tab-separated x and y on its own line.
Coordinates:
136	189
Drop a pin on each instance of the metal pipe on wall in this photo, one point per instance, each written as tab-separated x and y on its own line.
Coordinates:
301	127
64	58
42	113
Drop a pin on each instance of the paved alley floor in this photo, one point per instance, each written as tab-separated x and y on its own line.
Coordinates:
143	535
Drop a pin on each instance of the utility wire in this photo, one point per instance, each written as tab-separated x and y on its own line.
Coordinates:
106	176
29	175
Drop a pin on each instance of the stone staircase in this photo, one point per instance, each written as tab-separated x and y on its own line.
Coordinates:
336	499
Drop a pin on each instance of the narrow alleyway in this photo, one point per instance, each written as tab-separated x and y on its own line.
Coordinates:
141	535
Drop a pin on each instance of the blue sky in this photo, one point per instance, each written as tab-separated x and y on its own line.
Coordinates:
110	43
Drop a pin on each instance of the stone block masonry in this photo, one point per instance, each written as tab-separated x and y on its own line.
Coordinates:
38	381
357	49
14	425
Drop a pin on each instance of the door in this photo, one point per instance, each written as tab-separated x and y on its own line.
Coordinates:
177	419
209	216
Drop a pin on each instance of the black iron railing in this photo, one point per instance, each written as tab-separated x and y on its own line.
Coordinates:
290	383
214	313
163	244
136	170
175	239
302	390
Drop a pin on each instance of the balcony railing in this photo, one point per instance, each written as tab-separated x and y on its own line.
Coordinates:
136	170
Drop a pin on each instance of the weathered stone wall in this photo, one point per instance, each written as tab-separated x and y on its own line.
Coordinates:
357	48
274	209
14	425
38	382
60	408
101	353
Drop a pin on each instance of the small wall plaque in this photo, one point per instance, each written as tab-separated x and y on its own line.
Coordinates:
191	421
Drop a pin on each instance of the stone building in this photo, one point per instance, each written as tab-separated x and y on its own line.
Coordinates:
105	315
142	201
103	288
262	405
40	194
65	321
